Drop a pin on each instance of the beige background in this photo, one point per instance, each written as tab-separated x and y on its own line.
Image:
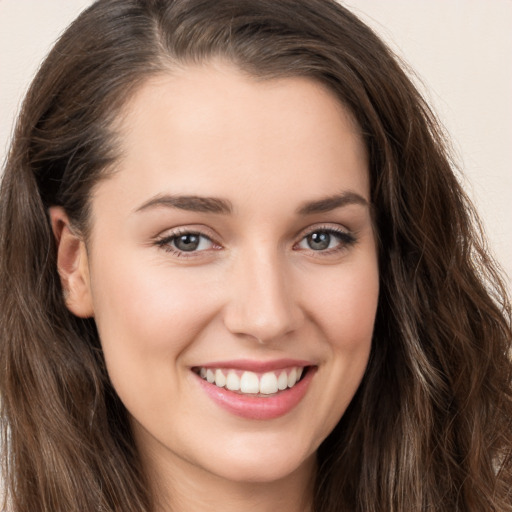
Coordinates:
460	49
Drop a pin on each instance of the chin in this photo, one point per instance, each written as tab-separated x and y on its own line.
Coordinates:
265	464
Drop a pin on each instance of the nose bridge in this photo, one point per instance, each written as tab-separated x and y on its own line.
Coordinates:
262	304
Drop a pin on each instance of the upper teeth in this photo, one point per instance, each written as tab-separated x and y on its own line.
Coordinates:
251	382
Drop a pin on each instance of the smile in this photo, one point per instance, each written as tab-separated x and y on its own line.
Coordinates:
252	383
256	391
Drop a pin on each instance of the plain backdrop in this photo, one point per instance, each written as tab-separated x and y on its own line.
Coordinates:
461	51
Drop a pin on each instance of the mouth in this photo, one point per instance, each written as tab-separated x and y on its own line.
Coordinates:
255	391
252	383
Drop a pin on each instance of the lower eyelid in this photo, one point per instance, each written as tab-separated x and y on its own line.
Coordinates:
345	241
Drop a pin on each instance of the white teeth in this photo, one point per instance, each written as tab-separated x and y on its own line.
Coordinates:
249	383
282	381
268	383
220	379
292	378
233	381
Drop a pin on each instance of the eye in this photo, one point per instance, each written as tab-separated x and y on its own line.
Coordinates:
185	242
326	240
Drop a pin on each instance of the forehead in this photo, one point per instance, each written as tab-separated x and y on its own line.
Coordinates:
206	129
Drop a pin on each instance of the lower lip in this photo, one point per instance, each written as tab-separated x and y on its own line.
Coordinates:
259	407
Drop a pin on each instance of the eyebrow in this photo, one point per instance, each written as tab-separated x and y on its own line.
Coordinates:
222	206
330	203
189	203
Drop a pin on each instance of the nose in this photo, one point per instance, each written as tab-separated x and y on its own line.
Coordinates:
262	302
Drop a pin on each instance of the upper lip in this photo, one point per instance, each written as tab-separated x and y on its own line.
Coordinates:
257	366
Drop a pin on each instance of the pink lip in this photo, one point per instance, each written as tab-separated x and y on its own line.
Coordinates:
257	407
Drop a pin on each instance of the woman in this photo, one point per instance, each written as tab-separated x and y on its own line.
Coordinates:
228	279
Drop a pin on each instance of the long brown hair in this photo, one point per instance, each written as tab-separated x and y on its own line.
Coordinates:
430	426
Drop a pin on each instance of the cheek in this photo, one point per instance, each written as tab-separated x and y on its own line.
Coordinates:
344	305
147	315
344	311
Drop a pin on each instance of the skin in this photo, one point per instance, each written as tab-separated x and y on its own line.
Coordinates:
257	291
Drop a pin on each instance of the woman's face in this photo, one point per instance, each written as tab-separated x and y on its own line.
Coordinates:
233	248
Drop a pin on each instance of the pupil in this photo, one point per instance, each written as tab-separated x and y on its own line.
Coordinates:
187	242
319	240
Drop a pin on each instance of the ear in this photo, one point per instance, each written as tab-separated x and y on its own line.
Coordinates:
72	265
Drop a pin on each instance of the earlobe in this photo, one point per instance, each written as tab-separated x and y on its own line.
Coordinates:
72	264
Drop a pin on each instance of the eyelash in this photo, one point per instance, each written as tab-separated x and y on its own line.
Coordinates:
166	242
345	238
